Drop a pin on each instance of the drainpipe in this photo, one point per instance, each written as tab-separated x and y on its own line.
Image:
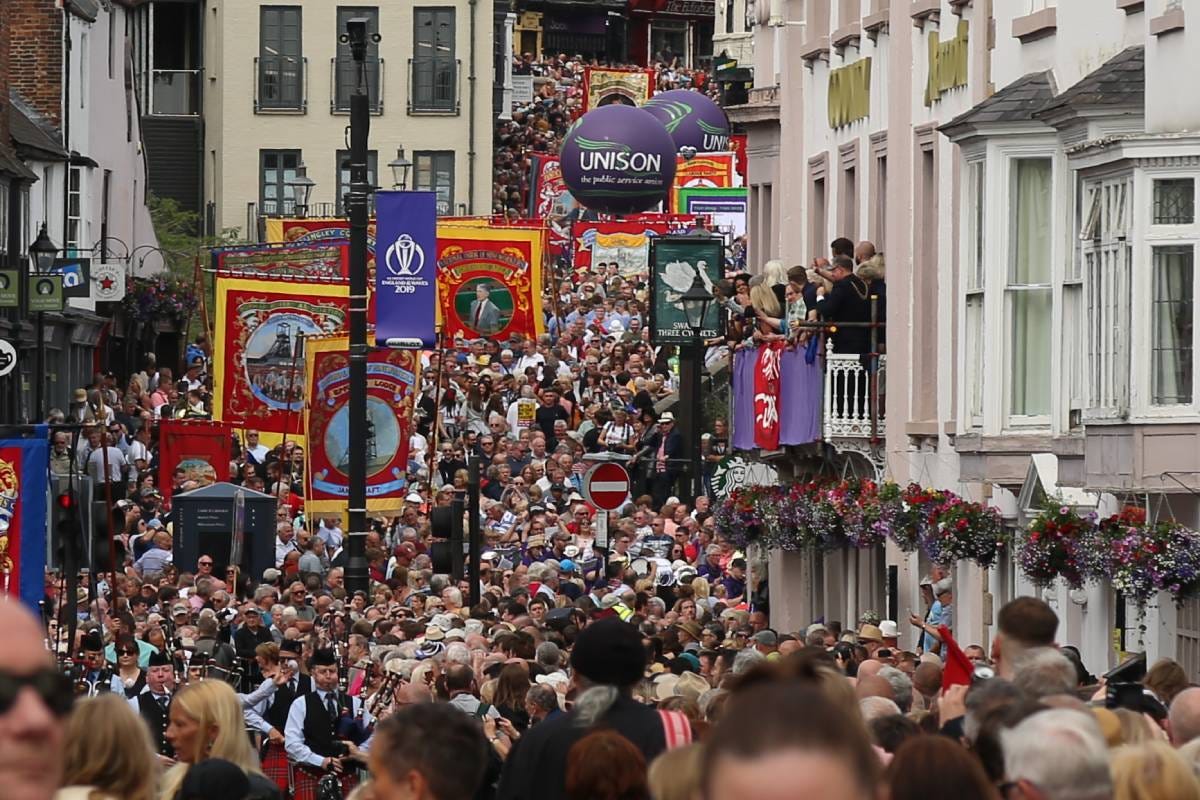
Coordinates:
474	4
66	120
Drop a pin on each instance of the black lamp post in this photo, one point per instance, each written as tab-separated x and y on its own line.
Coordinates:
400	167
357	209
42	254
302	189
696	301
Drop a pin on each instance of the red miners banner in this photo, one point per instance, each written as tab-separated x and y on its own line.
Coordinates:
23	469
391	375
602	86
625	243
329	260
705	170
200	448
741	163
551	201
258	355
490	281
766	396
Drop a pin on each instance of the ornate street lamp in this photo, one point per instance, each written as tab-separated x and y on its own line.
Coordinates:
302	189
696	301
400	167
43	251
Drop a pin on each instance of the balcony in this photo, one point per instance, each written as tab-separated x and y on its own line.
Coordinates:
434	86
343	79
281	85
175	92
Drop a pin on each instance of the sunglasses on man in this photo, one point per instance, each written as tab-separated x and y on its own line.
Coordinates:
51	686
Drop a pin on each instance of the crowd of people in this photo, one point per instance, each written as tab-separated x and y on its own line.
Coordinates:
538	127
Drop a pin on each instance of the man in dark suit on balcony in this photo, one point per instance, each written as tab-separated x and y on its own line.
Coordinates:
848	301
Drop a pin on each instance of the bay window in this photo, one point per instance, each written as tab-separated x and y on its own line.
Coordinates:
1171	366
1029	289
974	285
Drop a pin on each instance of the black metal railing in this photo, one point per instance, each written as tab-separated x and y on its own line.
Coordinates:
433	85
281	83
343	80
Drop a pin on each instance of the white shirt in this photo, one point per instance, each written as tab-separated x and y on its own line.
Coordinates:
116	464
258	452
293	733
138	450
282	548
535	360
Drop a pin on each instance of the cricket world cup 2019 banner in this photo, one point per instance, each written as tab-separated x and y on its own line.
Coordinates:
259	350
199	448
327	260
391	375
602	86
490	281
406	292
24	476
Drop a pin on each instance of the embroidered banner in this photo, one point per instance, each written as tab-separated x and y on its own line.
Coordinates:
627	243
551	202
490	281
703	171
24	472
201	449
602	86
258	355
391	375
329	260
766	396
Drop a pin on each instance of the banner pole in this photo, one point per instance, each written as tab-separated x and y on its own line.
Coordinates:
287	423
437	402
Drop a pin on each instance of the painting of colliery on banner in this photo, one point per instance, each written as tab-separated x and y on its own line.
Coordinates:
259	350
391	375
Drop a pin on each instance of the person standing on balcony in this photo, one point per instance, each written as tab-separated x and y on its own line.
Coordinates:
847	302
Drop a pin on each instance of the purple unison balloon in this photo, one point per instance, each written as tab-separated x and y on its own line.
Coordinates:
618	159
692	119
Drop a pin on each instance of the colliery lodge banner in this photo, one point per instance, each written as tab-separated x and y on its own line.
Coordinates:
602	86
550	200
259	350
489	281
320	260
201	449
705	170
24	466
595	245
391	375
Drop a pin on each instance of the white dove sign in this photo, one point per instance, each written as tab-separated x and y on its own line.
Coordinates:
677	261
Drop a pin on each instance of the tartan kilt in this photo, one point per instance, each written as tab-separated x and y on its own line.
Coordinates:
305	780
275	765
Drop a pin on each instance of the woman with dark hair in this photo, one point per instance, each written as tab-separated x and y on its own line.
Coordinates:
132	676
606	766
509	698
936	768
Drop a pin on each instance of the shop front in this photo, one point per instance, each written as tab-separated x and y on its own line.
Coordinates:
676	32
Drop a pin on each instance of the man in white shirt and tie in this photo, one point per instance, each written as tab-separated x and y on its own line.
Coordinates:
318	725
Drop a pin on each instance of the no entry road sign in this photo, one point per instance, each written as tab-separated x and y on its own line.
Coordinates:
606	486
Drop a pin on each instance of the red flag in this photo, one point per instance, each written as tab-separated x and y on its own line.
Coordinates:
766	396
958	669
200	448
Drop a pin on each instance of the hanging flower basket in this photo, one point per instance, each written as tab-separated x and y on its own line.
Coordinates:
1140	559
160	298
961	530
1057	544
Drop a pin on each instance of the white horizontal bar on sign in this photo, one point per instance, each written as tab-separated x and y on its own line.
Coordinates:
609	486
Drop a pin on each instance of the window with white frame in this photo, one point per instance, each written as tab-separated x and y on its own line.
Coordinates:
74	210
1172	237
1029	291
1105	213
973	289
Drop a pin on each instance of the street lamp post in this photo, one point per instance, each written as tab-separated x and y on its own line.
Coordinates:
400	167
302	188
41	257
695	301
357	201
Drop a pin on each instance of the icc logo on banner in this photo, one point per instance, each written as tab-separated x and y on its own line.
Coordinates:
405	256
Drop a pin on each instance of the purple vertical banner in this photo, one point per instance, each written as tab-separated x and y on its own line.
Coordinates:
405	269
744	362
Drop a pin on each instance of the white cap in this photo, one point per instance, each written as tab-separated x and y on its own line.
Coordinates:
889	629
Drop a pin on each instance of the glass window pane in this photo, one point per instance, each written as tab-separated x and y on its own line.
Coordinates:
1031	221
974	355
1174	201
1030	343
976	235
1171	326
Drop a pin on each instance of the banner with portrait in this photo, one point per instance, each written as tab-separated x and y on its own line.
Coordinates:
24	470
391	376
258	355
551	201
676	263
317	260
200	448
490	281
602	85
704	170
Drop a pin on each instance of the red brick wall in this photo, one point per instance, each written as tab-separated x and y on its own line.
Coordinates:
35	53
5	37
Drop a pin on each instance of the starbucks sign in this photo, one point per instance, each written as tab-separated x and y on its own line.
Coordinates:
736	472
